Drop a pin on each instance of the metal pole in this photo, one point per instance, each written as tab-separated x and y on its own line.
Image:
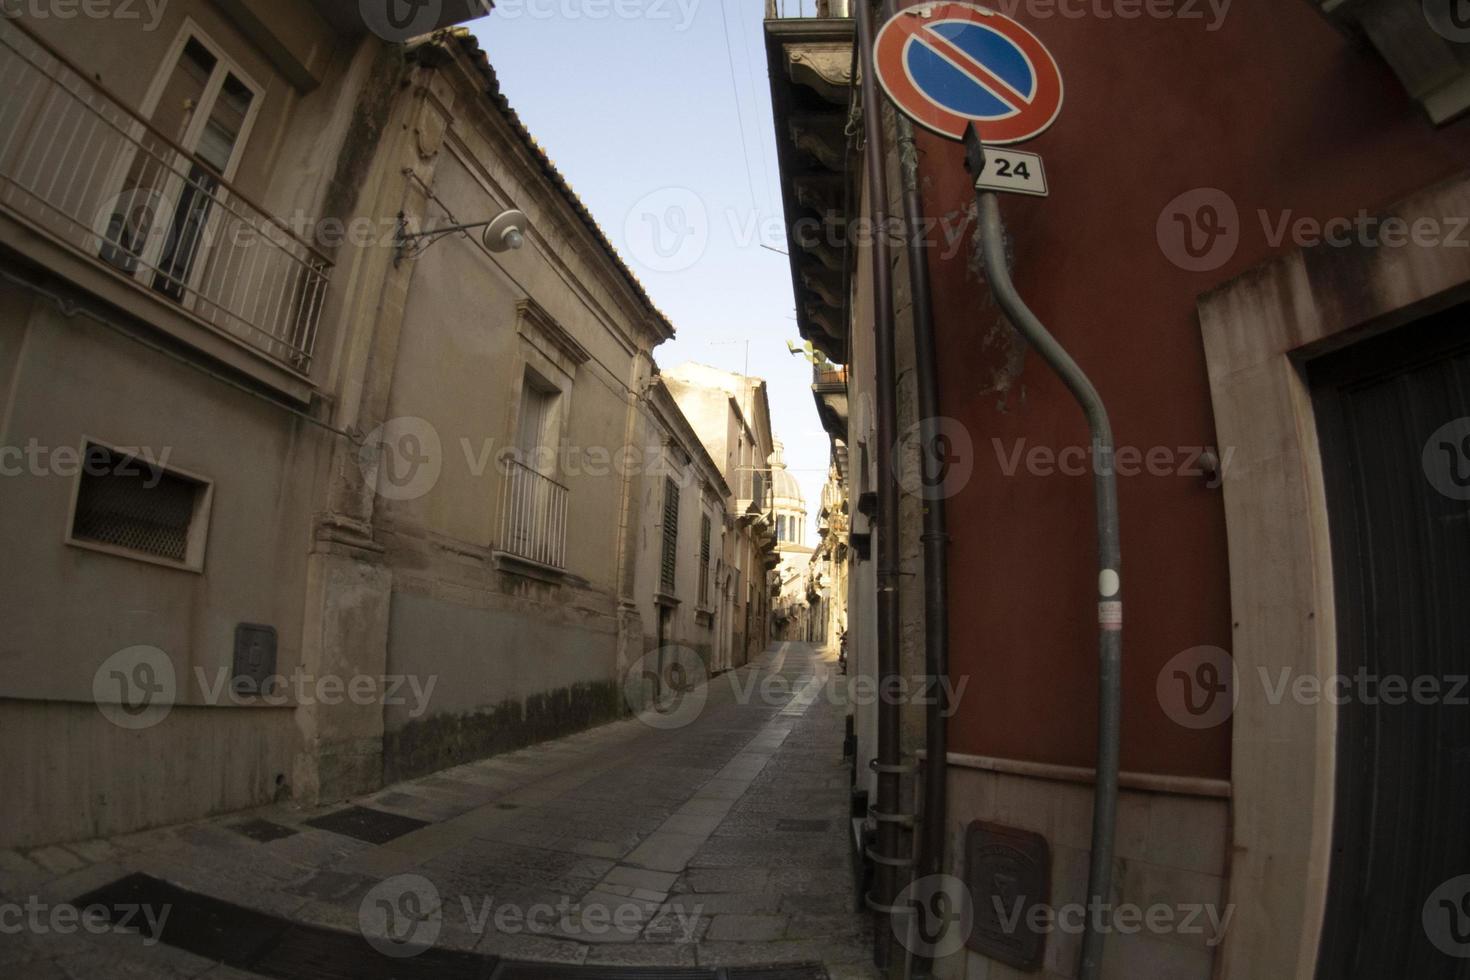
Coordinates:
888	855
1110	595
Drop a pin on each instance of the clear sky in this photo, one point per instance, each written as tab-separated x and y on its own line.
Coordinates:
637	103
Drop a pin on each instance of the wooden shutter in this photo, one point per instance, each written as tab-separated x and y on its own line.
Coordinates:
671	535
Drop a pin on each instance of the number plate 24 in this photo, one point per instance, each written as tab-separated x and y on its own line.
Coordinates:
1012	172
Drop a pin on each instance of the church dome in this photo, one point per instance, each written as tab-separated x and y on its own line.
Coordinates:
783	485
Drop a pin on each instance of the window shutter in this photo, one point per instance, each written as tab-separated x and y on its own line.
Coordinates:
704	536
671	535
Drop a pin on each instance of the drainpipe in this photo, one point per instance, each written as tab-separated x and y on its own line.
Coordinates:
1110	596
888	855
935	536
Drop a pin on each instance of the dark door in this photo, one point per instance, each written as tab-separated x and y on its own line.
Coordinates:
1394	421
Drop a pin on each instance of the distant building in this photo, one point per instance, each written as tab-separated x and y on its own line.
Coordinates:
792	549
733	418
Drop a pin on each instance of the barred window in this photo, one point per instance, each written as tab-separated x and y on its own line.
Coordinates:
132	506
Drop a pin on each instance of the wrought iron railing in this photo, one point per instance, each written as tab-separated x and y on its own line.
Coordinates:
533	516
793	9
96	175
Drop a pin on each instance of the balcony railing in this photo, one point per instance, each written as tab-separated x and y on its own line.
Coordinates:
89	171
792	9
533	516
829	374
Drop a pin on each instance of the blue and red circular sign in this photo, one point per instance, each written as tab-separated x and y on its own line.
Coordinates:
947	65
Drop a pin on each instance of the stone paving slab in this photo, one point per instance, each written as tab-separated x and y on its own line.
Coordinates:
718	844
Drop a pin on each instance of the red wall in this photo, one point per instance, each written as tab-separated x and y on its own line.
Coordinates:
1281	112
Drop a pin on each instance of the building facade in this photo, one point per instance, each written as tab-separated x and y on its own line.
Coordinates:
1271	309
345	497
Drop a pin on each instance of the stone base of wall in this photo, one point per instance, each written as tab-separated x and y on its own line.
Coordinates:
441	741
1171	852
70	774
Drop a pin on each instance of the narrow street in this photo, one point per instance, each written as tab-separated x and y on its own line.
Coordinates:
716	843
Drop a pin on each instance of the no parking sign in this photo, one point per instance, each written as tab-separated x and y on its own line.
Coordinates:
946	65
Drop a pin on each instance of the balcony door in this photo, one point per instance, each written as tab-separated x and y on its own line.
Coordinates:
161	217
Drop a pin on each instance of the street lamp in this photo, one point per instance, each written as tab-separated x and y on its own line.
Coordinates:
506	232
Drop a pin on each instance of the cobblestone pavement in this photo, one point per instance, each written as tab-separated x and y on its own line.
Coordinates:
718	843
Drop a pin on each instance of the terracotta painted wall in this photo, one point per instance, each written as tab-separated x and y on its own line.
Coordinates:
1282	113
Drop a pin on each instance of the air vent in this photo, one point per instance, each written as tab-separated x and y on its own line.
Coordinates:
132	506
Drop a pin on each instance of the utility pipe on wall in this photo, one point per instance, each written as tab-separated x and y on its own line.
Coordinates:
935	536
1110	596
888	854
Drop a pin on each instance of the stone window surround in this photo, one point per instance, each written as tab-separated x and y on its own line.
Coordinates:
1258	332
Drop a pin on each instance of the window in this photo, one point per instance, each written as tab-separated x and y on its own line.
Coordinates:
206	106
533	428
534	519
134	507
671	536
704	553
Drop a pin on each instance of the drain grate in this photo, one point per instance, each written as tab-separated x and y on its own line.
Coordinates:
270	946
262	830
364	824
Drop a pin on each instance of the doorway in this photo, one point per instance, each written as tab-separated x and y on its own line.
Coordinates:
1393	416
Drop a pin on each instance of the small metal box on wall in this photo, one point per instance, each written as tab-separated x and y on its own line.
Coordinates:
255	659
1008	873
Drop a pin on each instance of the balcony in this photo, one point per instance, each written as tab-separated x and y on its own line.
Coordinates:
807	9
829	388
809	48
95	177
533	517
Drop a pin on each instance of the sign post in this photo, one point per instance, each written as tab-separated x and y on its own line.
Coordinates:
951	65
